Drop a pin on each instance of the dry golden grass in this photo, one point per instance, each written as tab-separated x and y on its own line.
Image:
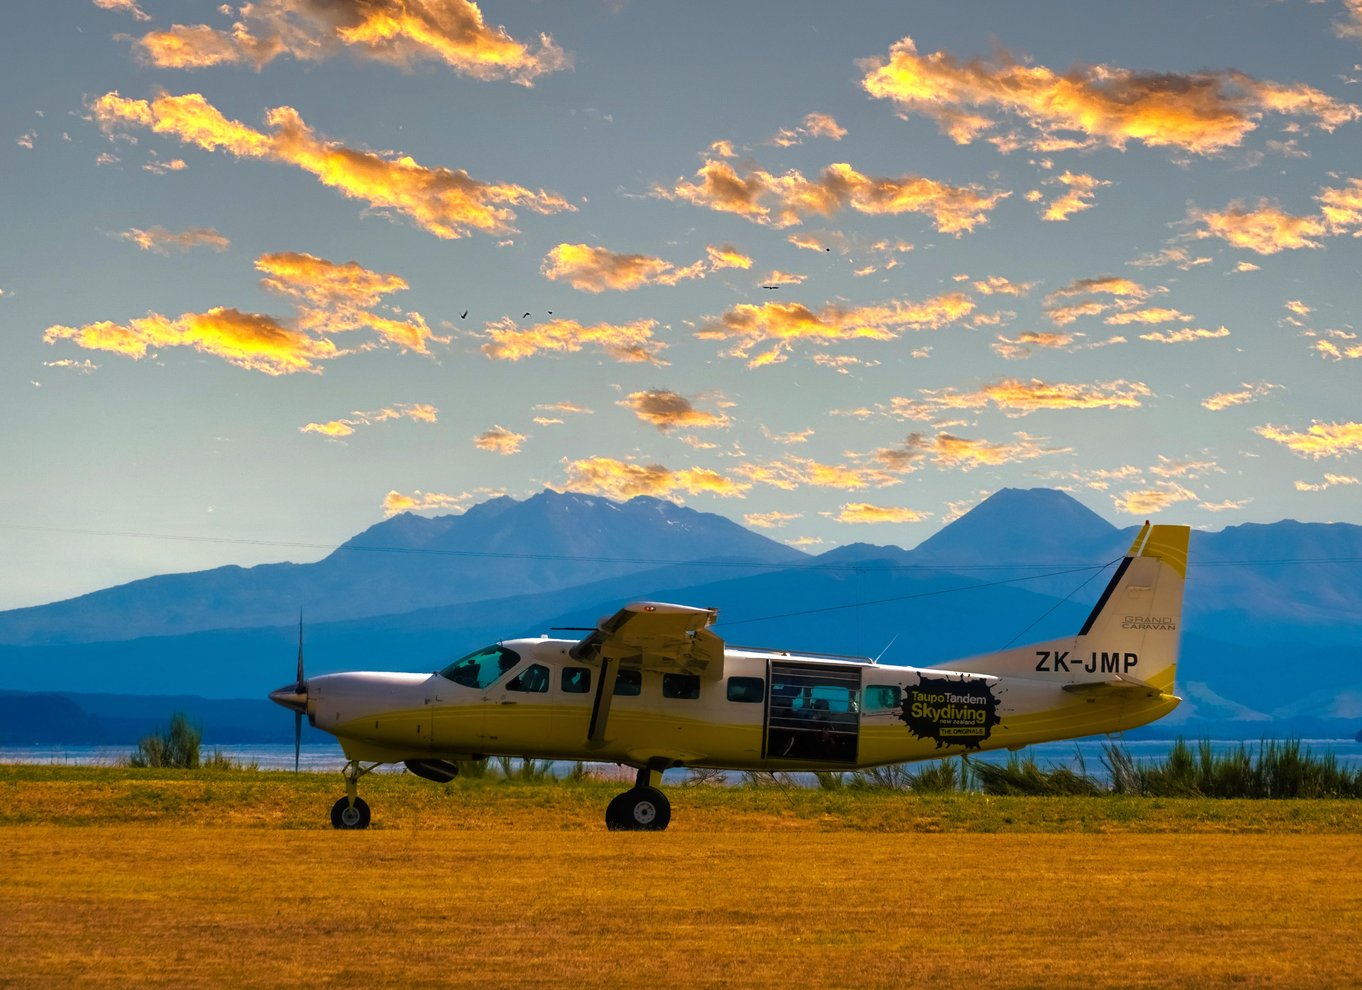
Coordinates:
189	906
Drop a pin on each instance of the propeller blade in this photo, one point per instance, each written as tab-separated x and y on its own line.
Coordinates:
297	738
300	649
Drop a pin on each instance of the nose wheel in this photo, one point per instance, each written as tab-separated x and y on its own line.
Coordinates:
351	811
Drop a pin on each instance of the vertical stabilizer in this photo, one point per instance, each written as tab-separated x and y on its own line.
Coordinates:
1140	611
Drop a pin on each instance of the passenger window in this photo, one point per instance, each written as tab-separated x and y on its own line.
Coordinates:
576	680
629	683
882	697
534	679
749	689
680	686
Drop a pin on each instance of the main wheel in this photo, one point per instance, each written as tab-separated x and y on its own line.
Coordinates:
345	815
642	809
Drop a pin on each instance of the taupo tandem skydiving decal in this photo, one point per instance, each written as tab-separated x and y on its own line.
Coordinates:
954	712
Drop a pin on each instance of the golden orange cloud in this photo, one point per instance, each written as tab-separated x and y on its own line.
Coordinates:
247	340
792	473
993	285
1148	501
449	204
1185	335
1334	352
595	269
626	479
1015	397
1106	285
1319	439
1080	193
864	512
126	6
1014	349
824	126
784	200
398	32
726	256
1330	481
499	440
748	326
770	520
160	240
420	412
625	342
1265	229
1203	112
1177	256
1153	314
946	450
1250	392
419	501
666	409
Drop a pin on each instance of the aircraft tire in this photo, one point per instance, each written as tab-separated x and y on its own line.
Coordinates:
640	809
345	817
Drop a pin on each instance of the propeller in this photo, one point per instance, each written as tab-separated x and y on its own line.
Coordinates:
294	696
302	689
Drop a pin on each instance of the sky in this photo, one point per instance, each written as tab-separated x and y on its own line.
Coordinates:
271	273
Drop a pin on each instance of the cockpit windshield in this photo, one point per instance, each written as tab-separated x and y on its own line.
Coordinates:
482	668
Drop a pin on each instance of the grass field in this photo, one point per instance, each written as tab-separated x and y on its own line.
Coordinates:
130	878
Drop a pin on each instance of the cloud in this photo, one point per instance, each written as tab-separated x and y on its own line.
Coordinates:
248	340
1350	25
864	512
748	325
1249	393
1154	314
160	240
565	407
1169	467
1326	347
666	410
595	269
86	367
420	412
1319	439
330	298
499	440
1148	501
992	285
1018	348
626	479
449	204
824	126
397	32
770	520
1202	113
1080	193
1106	285
726	256
126	6
1177	256
785	200
1185	335
1247	266
1265	229
1015	397
792	473
26	139
160	166
1330	481
419	501
625	342
787	439
948	451
1297	307
336	298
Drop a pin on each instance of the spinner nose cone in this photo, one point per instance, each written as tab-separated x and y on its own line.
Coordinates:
292	696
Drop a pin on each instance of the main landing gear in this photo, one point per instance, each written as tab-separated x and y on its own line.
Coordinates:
642	808
351	811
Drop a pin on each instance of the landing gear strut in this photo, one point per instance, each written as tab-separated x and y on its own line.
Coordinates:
351	811
642	808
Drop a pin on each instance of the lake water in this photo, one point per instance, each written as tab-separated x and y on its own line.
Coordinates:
325	759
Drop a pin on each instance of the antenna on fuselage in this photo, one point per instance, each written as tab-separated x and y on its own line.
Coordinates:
886	648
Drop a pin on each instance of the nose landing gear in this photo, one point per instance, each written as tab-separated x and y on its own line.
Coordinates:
351	811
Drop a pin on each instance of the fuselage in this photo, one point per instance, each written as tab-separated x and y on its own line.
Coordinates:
769	710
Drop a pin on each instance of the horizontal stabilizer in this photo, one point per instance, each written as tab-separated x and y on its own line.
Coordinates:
1117	687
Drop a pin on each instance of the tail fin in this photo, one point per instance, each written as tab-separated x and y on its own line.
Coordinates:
1141	608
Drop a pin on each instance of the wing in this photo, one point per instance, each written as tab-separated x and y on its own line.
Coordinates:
657	636
648	636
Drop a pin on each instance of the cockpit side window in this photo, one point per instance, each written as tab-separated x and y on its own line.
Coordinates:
534	679
481	669
576	680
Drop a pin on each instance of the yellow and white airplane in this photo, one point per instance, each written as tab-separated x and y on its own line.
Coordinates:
652	687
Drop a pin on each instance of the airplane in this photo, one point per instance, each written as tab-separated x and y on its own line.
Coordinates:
652	687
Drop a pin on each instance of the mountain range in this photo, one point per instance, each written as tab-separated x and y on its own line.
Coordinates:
1272	620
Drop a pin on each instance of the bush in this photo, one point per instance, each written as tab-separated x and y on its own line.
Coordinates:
177	748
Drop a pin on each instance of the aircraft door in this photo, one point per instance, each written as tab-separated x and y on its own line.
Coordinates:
813	712
518	712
